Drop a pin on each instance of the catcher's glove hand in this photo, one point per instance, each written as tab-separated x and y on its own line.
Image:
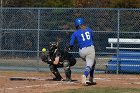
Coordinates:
44	58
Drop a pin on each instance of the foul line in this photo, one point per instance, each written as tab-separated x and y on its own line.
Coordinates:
117	78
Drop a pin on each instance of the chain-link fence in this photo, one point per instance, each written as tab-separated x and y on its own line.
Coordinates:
25	31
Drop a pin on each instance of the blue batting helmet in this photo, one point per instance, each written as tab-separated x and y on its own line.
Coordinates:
79	21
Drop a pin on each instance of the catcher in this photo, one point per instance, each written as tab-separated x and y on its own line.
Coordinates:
57	58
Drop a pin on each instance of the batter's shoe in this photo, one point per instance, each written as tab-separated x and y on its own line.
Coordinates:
91	82
83	80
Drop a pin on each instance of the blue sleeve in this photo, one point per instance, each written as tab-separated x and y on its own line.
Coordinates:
72	39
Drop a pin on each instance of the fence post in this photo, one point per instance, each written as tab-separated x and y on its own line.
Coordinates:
38	33
1	16
118	36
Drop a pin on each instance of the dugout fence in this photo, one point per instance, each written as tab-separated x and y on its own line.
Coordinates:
25	31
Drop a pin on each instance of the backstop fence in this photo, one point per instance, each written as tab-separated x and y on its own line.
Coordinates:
25	31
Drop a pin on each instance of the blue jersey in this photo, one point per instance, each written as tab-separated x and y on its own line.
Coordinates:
84	37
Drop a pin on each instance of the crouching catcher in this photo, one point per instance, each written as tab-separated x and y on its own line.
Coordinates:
57	58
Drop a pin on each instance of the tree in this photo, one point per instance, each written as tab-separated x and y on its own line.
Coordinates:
73	3
108	3
37	3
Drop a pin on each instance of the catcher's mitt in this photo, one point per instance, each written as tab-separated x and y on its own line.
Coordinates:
44	58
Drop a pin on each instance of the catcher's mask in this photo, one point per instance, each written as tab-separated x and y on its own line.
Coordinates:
52	47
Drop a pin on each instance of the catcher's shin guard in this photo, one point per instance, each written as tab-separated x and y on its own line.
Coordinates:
68	74
56	73
67	69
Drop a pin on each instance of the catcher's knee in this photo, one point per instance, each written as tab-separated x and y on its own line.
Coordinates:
66	63
53	69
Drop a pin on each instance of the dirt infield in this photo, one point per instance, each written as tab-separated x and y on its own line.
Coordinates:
43	82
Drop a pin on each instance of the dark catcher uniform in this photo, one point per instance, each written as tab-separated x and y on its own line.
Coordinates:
66	60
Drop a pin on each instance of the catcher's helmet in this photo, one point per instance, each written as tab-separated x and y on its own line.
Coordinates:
52	47
79	21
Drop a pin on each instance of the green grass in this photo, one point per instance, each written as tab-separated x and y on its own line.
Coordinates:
100	90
